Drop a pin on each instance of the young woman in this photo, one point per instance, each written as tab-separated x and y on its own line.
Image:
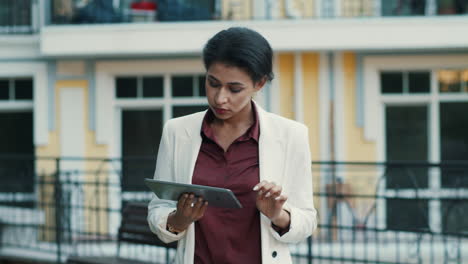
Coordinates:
263	158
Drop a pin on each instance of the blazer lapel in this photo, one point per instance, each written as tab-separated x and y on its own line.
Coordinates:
271	149
189	147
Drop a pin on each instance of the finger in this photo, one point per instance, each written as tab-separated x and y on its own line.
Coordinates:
266	190
276	191
201	210
259	185
181	202
197	205
281	199
188	203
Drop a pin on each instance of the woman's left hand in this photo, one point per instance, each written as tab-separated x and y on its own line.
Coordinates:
270	202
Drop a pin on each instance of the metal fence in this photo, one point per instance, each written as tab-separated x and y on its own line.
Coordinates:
51	208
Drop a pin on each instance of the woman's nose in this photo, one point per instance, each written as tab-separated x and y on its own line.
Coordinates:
221	96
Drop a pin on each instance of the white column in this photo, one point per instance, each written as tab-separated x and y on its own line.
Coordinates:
298	86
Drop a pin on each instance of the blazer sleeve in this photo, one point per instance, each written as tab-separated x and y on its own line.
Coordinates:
298	185
158	210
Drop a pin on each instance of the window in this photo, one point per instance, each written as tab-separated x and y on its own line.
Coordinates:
139	87
413	82
141	127
16	136
453	81
15	16
409	136
16	89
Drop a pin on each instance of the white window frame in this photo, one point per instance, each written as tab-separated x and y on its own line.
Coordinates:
38	106
374	120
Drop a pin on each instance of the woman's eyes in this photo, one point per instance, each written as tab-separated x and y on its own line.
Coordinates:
233	90
215	84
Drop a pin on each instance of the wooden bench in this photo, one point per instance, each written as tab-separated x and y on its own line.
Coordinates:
133	229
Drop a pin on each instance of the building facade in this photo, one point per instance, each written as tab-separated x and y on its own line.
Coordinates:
374	81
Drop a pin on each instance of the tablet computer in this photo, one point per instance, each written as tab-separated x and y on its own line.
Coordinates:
217	197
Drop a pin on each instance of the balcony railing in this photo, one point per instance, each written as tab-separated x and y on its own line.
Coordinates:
24	16
368	212
128	11
18	17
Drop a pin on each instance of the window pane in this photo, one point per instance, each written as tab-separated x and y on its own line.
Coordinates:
454	142
24	89
178	111
407	214
182	86
391	82
419	82
449	81
141	133
406	126
126	87
201	85
454	215
153	86
16	138
4	89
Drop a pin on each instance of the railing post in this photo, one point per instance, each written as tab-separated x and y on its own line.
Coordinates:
309	250
58	210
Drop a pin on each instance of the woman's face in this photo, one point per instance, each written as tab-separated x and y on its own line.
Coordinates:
229	90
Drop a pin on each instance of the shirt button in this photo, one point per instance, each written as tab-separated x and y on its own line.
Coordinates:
274	254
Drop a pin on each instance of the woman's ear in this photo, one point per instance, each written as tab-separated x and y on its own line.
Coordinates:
259	85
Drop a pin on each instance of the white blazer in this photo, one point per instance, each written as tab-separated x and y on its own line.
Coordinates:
284	158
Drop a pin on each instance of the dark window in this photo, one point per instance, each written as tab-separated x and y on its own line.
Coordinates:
4	89
454	142
201	85
24	89
15	13
406	132
178	111
141	133
126	87
16	138
182	86
391	82
419	82
407	214
153	86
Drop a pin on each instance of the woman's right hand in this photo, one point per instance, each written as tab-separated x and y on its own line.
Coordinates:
187	212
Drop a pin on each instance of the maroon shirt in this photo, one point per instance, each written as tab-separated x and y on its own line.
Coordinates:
229	235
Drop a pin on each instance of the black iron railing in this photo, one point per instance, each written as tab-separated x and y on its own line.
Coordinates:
368	212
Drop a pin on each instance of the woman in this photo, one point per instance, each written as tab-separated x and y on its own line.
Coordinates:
263	158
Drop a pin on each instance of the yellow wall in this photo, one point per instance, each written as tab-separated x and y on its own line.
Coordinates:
310	80
362	180
286	85
46	168
357	147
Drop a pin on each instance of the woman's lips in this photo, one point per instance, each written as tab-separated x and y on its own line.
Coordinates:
220	111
